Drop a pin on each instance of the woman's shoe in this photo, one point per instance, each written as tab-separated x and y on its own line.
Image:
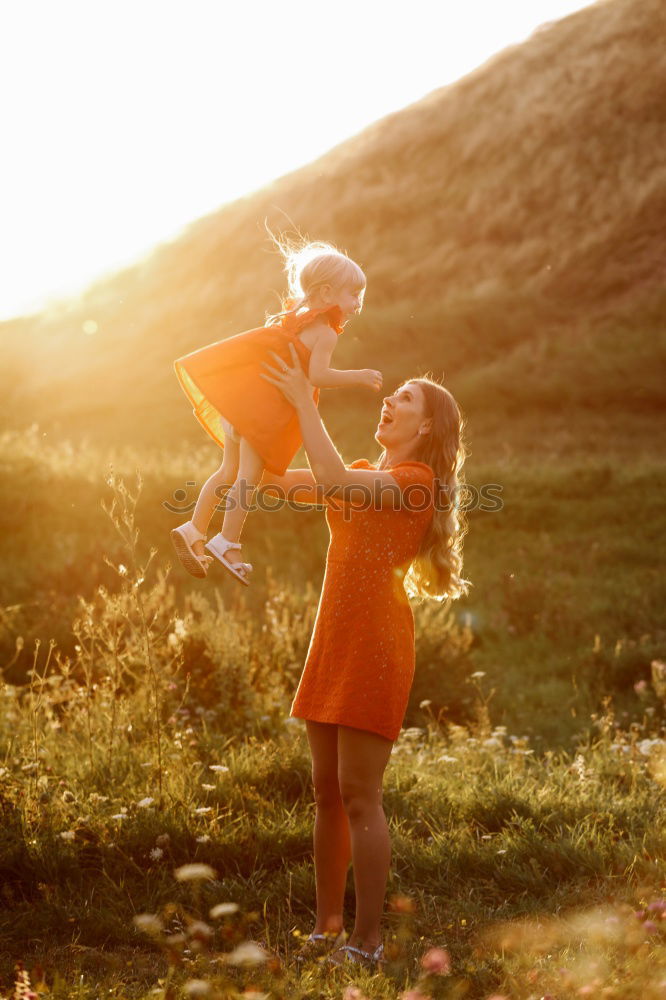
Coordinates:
218	545
183	538
371	959
317	945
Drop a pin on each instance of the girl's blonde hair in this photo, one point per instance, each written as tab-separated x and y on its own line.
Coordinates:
309	266
436	571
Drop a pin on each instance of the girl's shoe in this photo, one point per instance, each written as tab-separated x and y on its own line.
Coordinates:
318	945
183	538
372	959
218	545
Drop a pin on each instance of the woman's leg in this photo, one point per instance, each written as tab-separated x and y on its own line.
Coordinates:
362	758
240	496
332	847
209	495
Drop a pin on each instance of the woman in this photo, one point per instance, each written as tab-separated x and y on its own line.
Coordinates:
392	531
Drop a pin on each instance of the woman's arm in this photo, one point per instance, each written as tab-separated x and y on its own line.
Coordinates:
328	469
297	485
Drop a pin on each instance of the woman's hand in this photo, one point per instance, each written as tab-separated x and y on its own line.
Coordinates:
291	382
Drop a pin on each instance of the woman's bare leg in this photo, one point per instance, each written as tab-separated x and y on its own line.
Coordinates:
240	497
209	496
362	760
332	845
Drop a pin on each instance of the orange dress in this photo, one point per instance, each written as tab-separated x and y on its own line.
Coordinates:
360	663
223	383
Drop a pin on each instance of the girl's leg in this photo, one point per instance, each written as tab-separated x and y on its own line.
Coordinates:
240	496
363	757
209	495
332	846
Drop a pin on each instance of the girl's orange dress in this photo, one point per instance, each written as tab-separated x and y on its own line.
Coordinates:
222	381
360	663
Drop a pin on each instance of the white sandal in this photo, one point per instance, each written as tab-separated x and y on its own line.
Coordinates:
218	545
183	537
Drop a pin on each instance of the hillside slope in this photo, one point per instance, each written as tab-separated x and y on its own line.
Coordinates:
511	225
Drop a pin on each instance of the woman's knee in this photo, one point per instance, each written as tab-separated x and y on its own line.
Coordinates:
359	797
326	791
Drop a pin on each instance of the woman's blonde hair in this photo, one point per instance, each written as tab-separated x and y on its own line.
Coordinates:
436	571
309	266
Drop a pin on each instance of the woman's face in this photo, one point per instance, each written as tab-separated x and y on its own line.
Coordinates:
403	417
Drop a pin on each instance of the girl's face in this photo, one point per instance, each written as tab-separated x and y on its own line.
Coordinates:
349	297
403	417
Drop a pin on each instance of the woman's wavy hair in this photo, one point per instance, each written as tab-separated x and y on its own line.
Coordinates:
436	571
309	266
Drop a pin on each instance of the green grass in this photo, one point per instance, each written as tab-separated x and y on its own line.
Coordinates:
526	808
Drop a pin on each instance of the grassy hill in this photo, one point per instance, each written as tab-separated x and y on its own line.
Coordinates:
511	229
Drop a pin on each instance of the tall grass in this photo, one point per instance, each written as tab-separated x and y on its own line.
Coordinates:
163	740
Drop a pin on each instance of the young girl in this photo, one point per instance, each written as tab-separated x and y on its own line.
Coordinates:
250	418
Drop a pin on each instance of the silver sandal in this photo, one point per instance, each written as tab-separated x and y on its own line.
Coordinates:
311	950
369	958
218	545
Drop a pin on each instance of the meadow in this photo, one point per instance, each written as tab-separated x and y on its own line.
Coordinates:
145	728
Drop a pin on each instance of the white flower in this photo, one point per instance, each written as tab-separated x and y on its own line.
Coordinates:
156	853
446	759
209	788
122	570
478	673
217	767
247	952
192	872
144	803
197	988
492	742
120	816
67	835
222	909
203	809
203	839
148	922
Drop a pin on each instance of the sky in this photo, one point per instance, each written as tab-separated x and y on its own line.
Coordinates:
122	121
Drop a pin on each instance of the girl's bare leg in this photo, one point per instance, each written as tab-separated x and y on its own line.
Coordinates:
240	497
362	759
332	845
208	497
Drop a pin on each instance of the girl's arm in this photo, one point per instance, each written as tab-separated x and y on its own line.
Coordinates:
322	375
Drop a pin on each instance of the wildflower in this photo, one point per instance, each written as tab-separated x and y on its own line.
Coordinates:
67	835
437	960
149	923
122	570
156	853
478	673
425	703
446	759
203	839
144	803
640	687
203	809
68	796
208	788
223	909
247	952
217	767
192	872
120	816
200	931
197	988
353	993
492	742
163	840
402	904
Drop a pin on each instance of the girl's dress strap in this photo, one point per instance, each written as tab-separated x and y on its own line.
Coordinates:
292	323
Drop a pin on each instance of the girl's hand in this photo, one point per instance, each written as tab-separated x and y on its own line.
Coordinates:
291	382
371	378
